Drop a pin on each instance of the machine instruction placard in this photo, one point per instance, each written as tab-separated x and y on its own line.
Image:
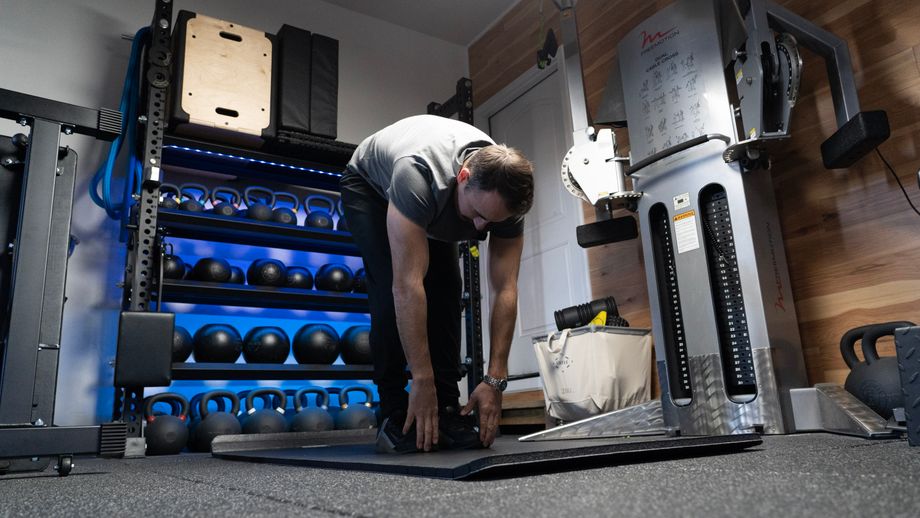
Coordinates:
672	67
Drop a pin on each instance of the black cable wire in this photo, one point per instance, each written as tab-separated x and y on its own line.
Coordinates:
891	170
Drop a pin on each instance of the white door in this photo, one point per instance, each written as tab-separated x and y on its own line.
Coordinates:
532	115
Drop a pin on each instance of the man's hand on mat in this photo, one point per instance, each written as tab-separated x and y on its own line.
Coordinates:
488	402
423	409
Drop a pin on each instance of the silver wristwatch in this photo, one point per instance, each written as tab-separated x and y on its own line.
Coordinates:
496	383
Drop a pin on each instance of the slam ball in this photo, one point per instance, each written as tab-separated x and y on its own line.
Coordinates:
316	343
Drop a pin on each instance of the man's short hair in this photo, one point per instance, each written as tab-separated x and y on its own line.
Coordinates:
506	170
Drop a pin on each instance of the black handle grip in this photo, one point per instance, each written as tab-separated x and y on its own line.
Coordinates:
848	344
870	338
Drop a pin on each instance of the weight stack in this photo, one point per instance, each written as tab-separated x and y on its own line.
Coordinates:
225	81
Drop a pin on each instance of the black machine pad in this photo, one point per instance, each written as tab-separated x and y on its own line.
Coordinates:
507	457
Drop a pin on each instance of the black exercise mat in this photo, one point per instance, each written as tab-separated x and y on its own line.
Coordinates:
507	457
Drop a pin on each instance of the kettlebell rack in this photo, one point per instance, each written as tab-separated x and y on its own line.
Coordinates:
145	360
176	223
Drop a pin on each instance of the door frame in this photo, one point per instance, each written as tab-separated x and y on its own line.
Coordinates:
481	115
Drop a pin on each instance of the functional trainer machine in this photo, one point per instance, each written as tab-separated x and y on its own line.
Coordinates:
710	86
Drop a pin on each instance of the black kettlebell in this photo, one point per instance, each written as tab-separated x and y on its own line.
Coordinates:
285	215
319	217
356	416
216	423
265	420
211	269
266	344
316	344
225	201
236	275
166	434
189	202
299	277
360	281
173	267
194	418
848	351
217	343
312	419
259	203
341	225
334	277
876	382
182	344
356	346
267	272
169	196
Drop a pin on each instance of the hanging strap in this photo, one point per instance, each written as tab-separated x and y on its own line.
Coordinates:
563	338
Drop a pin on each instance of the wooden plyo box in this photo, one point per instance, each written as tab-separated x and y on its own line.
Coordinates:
224	81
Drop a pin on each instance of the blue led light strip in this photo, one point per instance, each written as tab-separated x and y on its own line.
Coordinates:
251	160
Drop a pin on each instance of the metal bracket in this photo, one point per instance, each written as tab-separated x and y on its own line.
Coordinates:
830	408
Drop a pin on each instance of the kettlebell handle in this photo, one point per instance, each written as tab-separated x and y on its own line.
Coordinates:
203	405
194	187
343	397
295	201
876	331
322	398
195	402
248	195
278	393
340	207
848	344
235	198
310	200
170	397
166	188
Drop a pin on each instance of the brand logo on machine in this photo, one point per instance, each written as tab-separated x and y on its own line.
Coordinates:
648	39
780	302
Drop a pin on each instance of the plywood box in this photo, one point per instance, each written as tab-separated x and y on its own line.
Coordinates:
224	81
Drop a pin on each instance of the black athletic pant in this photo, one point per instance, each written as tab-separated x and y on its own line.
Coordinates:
366	213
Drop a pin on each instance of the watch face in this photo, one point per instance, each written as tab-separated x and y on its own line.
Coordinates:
502	385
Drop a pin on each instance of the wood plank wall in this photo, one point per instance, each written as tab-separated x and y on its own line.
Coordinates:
852	241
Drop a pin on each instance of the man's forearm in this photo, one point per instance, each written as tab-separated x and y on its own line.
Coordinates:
411	320
504	315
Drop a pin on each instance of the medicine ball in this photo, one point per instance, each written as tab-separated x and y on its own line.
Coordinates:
316	343
218	343
173	267
237	276
334	277
360	281
211	269
182	344
266	345
298	277
356	346
267	272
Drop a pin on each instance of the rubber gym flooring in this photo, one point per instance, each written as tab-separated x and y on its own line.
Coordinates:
797	475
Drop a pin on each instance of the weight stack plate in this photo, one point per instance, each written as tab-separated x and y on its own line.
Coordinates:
672	323
728	299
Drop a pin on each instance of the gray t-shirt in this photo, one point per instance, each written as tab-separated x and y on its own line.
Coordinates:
413	164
